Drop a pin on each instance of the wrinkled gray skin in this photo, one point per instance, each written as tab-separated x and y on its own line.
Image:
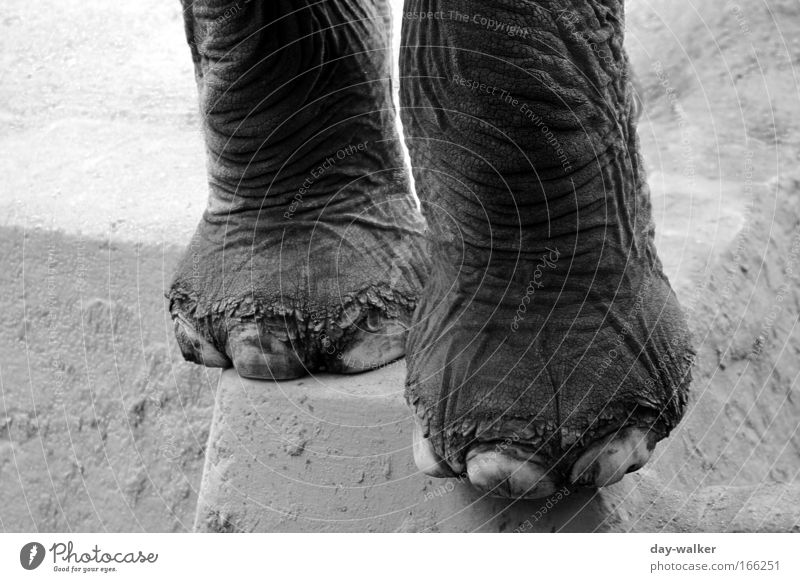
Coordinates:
545	334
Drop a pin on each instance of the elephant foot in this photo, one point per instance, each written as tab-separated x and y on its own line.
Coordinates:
523	407
548	348
339	301
309	255
517	472
260	349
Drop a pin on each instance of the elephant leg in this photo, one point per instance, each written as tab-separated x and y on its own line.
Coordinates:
548	346
309	253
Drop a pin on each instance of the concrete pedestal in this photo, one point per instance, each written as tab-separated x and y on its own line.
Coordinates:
333	453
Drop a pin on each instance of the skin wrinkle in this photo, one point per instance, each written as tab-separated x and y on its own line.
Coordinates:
478	178
257	171
604	231
254	165
222	141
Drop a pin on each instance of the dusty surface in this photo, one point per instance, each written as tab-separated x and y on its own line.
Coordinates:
100	123
103	427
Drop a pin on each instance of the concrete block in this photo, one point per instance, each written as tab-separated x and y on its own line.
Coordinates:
333	453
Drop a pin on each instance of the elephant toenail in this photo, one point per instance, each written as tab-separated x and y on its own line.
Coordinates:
426	458
608	460
518	475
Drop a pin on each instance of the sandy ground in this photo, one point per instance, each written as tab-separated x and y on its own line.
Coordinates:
104	427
